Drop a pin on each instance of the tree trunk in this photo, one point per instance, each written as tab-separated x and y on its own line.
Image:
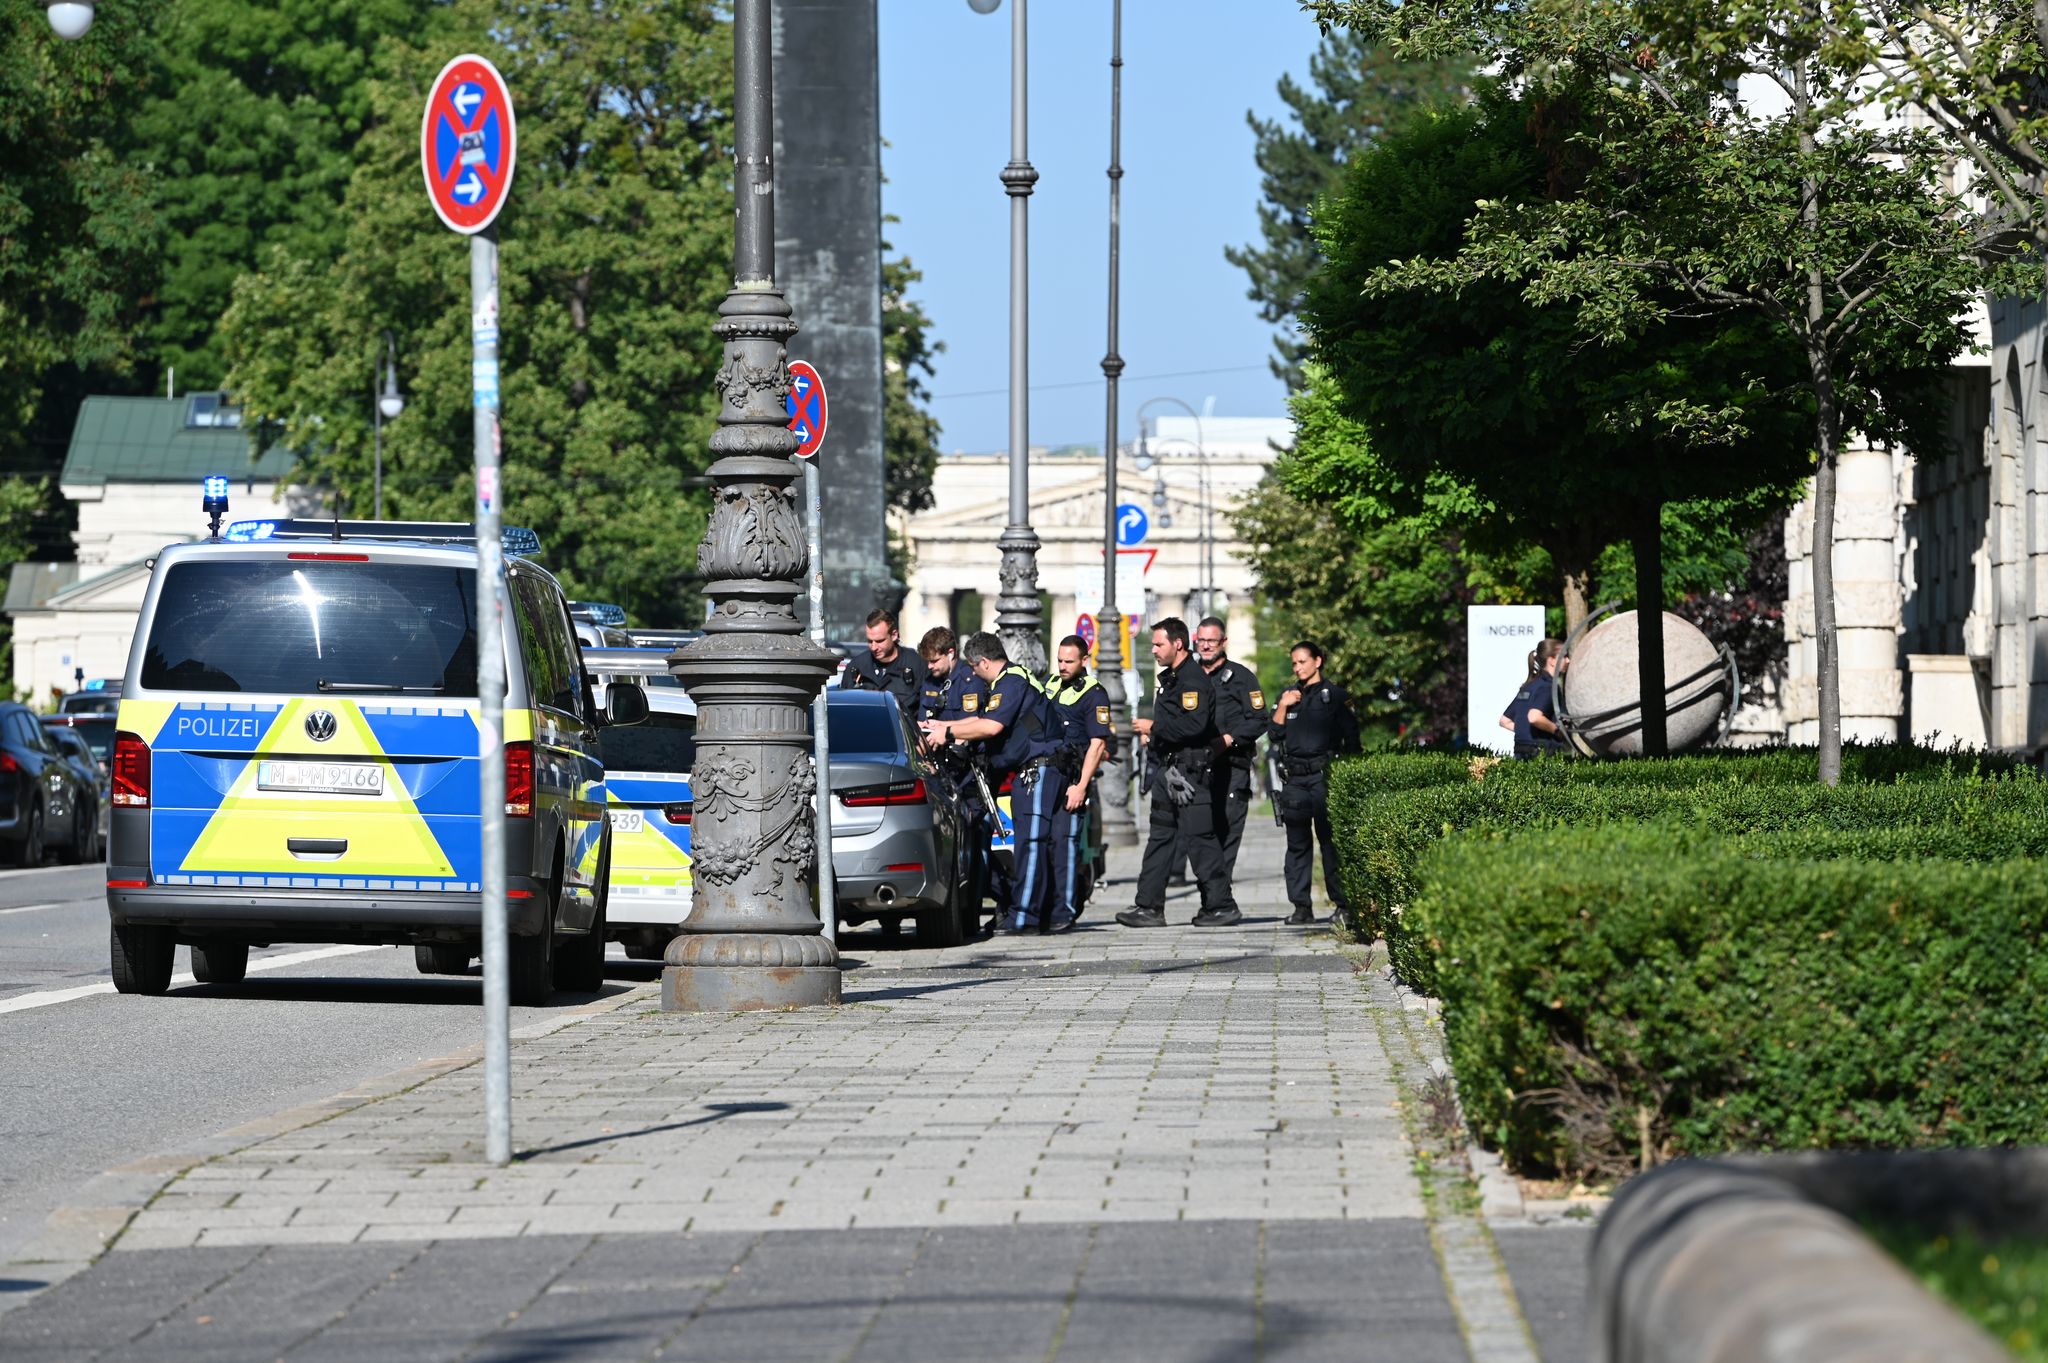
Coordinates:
1828	424
1572	555
1576	606
1648	542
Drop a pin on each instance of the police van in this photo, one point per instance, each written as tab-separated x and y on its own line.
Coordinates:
297	758
647	789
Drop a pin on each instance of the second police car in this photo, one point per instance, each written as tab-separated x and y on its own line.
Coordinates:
297	758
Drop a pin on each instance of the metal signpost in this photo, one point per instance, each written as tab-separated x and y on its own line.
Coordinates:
807	417
467	146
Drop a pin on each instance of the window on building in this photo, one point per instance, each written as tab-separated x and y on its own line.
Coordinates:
205	411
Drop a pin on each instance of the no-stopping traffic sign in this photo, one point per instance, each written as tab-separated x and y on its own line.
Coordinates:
806	408
468	144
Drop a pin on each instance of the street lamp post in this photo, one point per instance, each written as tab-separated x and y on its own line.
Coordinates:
1119	824
387	406
1206	558
753	939
1020	617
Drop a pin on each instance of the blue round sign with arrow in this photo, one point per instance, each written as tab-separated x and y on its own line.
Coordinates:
1132	525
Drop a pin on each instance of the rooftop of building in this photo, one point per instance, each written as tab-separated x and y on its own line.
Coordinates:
165	440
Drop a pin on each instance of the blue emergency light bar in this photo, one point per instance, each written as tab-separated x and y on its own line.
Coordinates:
598	613
215	500
517	539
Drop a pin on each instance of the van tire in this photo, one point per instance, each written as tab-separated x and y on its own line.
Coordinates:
141	956
441	958
220	962
532	962
579	961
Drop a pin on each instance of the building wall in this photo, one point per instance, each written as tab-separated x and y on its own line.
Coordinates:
122	522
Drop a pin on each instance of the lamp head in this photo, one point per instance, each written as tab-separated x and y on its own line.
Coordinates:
70	18
984	6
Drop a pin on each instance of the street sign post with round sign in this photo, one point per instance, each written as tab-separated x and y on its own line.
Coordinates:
469	144
806	404
1132	525
1084	629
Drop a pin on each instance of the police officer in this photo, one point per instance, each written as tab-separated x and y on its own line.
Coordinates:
1084	707
1312	726
1185	802
1241	719
885	666
952	692
1023	735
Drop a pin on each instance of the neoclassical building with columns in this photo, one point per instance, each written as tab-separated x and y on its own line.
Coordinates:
1198	567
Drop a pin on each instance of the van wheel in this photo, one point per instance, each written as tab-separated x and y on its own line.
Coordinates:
440	958
220	962
141	958
579	961
532	962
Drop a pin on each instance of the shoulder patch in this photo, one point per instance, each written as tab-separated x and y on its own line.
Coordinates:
995	698
1258	700
1190	699
970	702
1102	714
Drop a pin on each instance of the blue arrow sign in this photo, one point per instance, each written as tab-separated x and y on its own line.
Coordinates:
465	97
469	189
1131	525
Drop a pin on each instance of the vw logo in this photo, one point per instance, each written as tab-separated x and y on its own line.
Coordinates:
320	725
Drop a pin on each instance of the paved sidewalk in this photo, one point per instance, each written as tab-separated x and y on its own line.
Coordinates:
1114	1143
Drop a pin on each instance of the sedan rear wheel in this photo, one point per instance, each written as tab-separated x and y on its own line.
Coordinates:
29	852
939	925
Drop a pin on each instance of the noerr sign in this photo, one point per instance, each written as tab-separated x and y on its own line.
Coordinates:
468	143
1497	644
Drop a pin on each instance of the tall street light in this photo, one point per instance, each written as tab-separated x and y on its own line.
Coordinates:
1020	617
388	405
753	939
1207	563
1119	824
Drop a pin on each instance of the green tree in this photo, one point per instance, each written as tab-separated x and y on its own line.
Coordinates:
78	228
616	247
1358	95
251	119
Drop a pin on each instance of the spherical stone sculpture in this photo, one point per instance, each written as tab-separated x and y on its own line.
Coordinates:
1603	692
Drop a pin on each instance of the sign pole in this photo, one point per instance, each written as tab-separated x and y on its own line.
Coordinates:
490	546
468	150
821	724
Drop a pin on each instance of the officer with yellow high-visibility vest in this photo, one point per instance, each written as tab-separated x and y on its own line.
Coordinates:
1083	707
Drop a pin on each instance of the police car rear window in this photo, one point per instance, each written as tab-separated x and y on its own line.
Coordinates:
664	743
307	627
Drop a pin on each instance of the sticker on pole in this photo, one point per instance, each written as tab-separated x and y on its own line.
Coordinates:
806	408
468	142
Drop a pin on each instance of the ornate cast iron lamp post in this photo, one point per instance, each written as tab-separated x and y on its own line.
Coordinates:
753	940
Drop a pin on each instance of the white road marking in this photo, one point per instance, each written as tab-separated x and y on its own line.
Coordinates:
38	908
44	998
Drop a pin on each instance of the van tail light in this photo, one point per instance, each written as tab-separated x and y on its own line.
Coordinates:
895	793
677	814
131	772
519	780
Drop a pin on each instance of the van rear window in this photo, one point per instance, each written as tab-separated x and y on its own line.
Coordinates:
306	627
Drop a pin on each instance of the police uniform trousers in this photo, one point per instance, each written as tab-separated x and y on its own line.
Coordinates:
1237	802
1035	795
1071	858
1196	828
1305	813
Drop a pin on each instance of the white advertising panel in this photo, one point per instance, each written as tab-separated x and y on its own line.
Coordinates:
1497	644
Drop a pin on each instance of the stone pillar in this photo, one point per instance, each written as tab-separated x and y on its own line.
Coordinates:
1868	604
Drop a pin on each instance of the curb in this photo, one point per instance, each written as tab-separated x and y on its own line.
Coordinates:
78	1233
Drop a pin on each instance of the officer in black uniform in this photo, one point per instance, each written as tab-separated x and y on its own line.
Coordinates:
1241	717
885	666
1084	707
1024	737
952	691
1185	800
1312	726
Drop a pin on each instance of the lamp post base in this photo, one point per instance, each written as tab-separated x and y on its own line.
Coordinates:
745	972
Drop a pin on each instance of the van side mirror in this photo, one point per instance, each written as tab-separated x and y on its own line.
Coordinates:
625	703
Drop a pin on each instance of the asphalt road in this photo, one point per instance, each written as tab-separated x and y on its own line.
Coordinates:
90	1079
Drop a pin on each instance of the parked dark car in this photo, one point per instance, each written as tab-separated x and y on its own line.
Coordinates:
97	731
87	803
90	702
35	787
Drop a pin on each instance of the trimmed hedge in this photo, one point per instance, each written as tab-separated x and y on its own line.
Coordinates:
1607	989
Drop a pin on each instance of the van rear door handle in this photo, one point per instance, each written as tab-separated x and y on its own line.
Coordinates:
316	847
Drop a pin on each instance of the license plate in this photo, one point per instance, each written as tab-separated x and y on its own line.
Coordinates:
321	778
628	820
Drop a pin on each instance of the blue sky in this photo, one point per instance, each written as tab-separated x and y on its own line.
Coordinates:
1191	70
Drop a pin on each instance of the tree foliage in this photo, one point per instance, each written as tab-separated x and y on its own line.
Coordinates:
615	249
1359	94
79	233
